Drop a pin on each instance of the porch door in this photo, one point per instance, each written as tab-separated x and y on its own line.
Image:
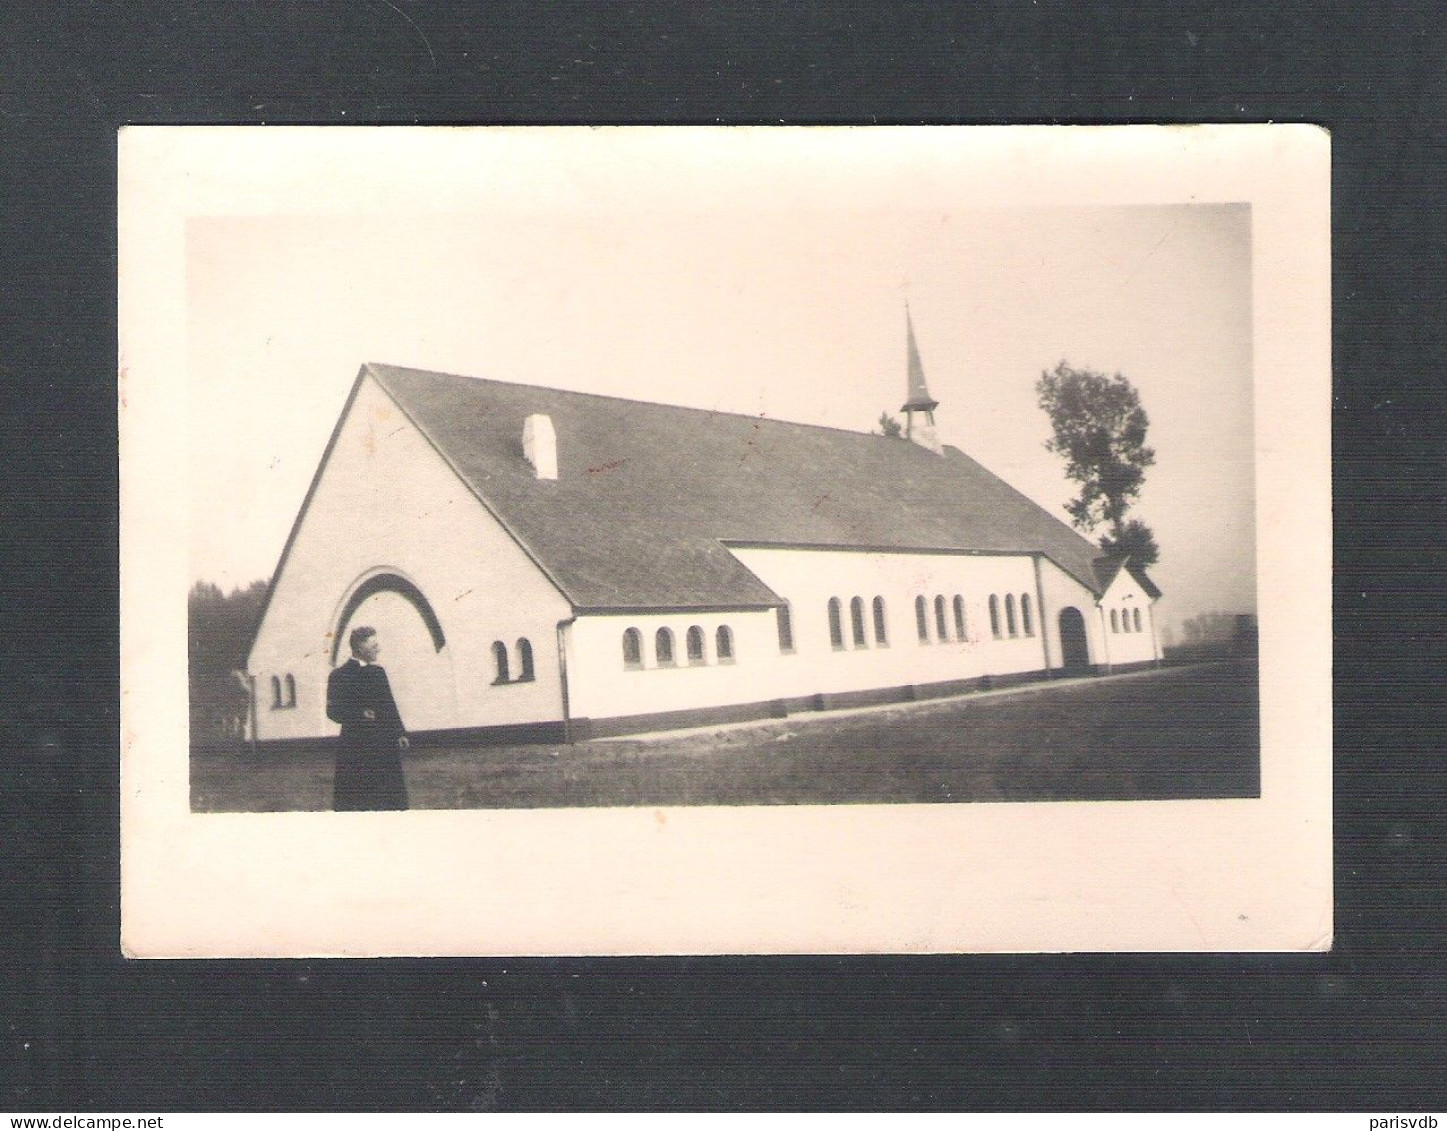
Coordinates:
1074	647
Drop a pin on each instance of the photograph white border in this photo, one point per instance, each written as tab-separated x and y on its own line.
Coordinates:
1230	875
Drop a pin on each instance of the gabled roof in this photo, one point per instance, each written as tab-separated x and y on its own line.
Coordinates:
647	494
1108	567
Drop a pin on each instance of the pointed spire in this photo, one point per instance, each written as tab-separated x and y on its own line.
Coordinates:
919	410
919	398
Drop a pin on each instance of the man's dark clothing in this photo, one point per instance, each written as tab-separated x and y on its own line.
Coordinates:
369	768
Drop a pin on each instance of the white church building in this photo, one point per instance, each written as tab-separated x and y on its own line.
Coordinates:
547	566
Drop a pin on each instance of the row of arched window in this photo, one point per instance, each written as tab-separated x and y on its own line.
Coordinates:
283	692
1124	622
939	621
1026	622
942	618
950	623
503	666
694	641
858	630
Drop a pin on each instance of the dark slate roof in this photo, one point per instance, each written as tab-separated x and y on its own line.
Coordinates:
1108	566
647	494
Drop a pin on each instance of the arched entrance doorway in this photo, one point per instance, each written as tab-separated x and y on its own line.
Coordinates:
414	650
1074	647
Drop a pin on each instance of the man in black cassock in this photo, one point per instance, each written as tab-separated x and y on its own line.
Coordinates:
369	763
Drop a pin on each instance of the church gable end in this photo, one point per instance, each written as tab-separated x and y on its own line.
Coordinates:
390	536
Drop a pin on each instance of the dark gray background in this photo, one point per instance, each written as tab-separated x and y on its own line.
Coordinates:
84	1030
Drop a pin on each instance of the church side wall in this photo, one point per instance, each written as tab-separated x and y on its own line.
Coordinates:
387	502
807	579
601	685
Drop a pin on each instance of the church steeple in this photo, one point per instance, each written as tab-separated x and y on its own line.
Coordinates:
919	410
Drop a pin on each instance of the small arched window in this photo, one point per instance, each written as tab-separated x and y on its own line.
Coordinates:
1010	614
632	648
921	620
724	644
959	616
525	659
663	648
941	627
881	635
836	629
290	690
499	659
1114	621
276	700
786	627
1027	619
1136	613
694	644
856	622
995	616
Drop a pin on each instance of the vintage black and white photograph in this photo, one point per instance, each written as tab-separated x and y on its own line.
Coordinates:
667	470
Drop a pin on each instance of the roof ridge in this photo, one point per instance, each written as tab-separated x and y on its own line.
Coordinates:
373	365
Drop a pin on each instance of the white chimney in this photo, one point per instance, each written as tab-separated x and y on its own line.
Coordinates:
540	445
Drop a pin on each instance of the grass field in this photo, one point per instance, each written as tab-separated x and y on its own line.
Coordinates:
1174	733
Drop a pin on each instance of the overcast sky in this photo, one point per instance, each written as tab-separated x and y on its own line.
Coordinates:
742	299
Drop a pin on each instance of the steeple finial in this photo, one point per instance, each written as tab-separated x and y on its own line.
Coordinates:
919	410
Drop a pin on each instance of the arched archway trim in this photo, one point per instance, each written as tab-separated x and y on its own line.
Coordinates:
389	583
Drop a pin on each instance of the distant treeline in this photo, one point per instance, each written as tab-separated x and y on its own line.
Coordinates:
1206	627
220	626
1212	636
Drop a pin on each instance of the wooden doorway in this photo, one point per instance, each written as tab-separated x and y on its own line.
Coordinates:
1074	648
